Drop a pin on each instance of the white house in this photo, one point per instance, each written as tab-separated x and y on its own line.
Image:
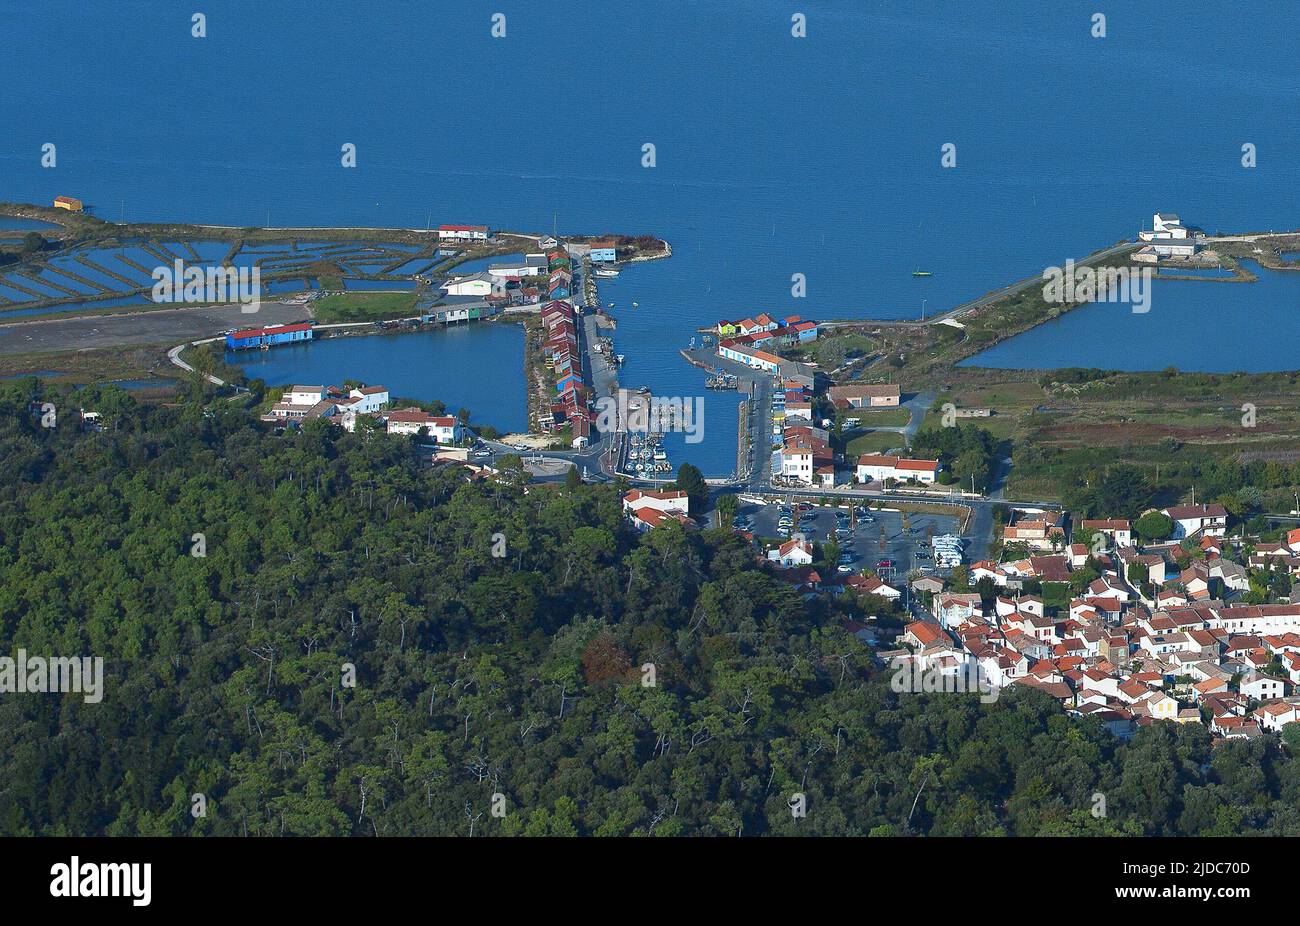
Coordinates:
957	608
532	265
304	395
1189	520
1107	587
1119	532
666	502
445	429
1276	715
463	233
368	400
1094	679
877	468
1164	226
477	284
986	569
1233	575
758	359
797	464
1167	247
792	553
1264	688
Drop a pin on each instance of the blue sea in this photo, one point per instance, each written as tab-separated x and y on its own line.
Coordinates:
774	155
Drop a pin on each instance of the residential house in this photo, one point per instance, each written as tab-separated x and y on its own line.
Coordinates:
445	429
1191	520
877	468
866	395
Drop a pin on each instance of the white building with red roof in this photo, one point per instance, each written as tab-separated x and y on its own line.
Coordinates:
792	553
463	233
667	502
873	467
445	429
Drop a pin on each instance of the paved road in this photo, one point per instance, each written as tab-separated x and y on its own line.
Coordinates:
160	326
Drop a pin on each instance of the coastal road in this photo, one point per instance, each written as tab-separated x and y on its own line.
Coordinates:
174	355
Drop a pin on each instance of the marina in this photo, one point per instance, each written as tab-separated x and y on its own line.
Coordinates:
646	456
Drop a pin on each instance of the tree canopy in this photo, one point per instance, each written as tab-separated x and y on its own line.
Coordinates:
521	644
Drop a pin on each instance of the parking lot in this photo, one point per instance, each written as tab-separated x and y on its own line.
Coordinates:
860	538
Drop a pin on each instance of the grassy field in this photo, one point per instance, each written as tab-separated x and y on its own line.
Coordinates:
831	353
874	442
90	366
364	307
880	417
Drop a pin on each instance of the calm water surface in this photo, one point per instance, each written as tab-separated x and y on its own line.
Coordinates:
475	366
774	155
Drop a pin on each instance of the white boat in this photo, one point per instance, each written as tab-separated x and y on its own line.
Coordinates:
659	454
606	272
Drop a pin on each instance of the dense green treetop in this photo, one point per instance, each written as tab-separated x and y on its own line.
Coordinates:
519	668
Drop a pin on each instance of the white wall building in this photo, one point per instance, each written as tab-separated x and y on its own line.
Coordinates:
1208	520
445	429
877	468
532	265
463	233
665	502
797	464
304	395
1164	225
792	553
369	400
478	284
